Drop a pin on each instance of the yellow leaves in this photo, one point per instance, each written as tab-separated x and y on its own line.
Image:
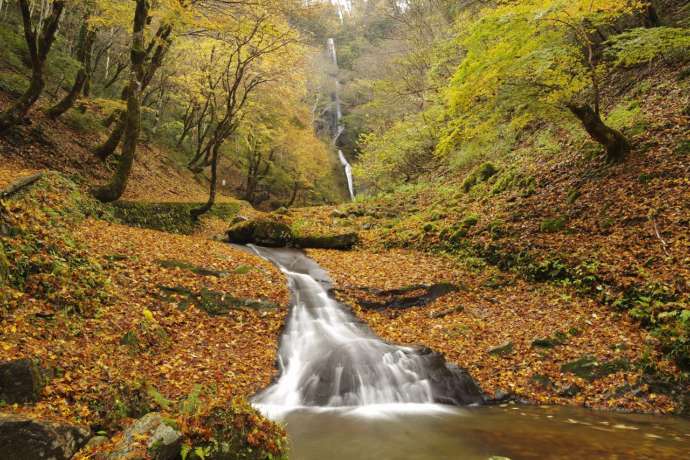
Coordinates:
148	316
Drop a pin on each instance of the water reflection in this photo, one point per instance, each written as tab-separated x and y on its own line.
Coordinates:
517	432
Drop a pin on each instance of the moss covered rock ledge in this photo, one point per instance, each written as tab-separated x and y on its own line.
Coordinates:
270	232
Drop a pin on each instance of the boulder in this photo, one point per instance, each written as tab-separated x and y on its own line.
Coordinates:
28	439
274	233
342	241
20	381
264	232
148	438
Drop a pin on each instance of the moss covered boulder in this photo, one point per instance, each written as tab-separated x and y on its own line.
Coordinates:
264	232
276	233
341	241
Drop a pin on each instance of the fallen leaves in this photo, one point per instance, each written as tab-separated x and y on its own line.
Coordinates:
517	313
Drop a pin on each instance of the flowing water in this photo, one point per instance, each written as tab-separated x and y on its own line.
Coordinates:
337	117
345	394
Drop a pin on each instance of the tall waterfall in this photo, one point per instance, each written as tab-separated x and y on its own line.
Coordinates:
337	116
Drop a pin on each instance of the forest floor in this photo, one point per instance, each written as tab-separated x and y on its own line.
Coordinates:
124	320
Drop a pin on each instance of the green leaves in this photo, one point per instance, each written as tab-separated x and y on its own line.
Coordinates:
643	45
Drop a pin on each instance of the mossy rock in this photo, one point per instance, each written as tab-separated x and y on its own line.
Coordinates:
264	232
589	368
342	241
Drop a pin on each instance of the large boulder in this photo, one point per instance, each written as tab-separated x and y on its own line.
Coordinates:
22	438
264	232
20	381
148	438
275	233
341	241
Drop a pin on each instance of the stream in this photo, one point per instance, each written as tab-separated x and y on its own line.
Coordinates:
343	393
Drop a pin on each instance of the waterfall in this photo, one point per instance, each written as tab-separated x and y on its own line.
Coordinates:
328	358
338	128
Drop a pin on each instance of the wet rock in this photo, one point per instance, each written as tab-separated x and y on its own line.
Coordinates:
501	350
148	437
340	376
27	439
501	396
20	381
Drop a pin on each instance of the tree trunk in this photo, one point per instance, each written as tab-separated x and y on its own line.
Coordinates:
110	145
615	143
39	47
132	119
197	212
86	39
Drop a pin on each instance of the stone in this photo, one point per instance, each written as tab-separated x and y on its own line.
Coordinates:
588	368
29	439
96	442
341	241
148	437
569	391
20	381
501	396
501	350
264	232
543	343
237	219
542	381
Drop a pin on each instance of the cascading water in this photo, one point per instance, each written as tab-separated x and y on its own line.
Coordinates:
328	358
337	115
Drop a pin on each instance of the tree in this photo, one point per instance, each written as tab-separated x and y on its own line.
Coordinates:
132	117
535	59
245	45
87	36
39	40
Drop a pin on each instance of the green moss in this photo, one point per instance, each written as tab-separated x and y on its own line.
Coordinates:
553	225
683	148
480	174
82	122
168	217
43	257
12	83
470	220
265	232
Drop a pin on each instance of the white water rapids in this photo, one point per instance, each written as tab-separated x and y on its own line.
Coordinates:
328	358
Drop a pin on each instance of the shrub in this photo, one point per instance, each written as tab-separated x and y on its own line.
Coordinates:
237	432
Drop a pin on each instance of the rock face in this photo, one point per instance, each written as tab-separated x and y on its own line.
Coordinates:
26	439
20	381
148	437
